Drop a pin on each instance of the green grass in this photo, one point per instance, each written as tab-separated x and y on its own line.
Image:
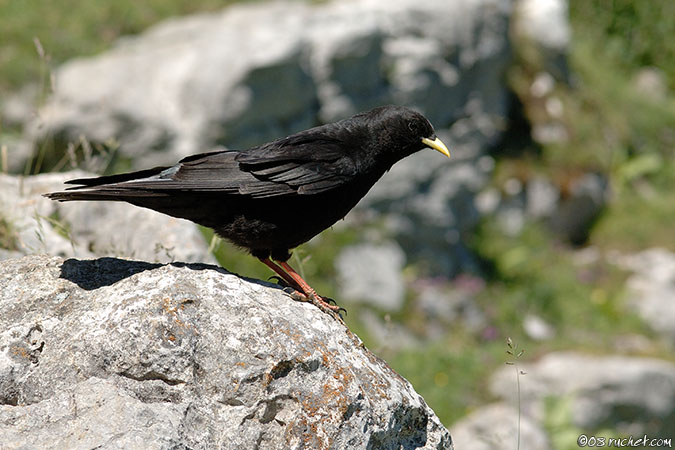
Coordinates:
74	28
451	374
8	237
534	274
633	133
641	215
630	34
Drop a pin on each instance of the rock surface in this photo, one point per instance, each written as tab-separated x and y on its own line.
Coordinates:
496	427
110	353
629	395
544	24
372	274
86	229
651	288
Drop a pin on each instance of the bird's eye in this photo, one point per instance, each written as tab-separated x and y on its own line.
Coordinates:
414	128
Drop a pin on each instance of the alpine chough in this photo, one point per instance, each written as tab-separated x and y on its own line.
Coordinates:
273	197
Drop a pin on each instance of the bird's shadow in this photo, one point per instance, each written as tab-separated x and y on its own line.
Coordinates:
90	274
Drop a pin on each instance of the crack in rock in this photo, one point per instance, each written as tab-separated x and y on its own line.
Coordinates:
152	376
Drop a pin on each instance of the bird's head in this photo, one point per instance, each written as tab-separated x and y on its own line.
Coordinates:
401	131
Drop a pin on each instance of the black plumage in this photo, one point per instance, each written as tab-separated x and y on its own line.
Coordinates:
274	197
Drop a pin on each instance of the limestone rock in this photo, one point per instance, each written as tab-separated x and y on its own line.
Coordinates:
85	229
110	353
628	394
651	288
576	213
496	426
544	25
372	274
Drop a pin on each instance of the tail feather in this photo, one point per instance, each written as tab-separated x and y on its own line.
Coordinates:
105	188
119	195
111	179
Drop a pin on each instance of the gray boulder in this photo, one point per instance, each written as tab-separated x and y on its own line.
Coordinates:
577	212
630	395
372	274
429	206
570	216
496	426
542	197
544	27
651	288
110	353
85	229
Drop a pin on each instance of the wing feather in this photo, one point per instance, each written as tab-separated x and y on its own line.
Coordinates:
310	163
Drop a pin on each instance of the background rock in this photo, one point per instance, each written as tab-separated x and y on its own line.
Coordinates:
372	274
85	229
576	213
651	289
496	426
111	353
429	206
627	394
443	308
191	83
544	24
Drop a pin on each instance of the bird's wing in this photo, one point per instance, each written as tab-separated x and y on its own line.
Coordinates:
308	163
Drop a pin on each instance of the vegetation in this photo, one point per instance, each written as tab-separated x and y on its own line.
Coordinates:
74	28
8	239
612	127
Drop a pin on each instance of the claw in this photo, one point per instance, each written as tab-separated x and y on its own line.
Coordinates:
329	300
332	302
326	305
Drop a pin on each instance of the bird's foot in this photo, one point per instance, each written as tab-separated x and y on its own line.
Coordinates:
298	289
325	304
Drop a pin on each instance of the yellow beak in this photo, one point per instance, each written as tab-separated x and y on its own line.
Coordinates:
437	145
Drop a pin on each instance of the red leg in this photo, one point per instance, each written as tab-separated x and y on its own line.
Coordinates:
279	271
294	280
307	289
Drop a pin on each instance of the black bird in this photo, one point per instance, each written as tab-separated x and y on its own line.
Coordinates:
274	197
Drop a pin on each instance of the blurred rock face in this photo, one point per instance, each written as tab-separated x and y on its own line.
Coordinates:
253	73
631	395
87	229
